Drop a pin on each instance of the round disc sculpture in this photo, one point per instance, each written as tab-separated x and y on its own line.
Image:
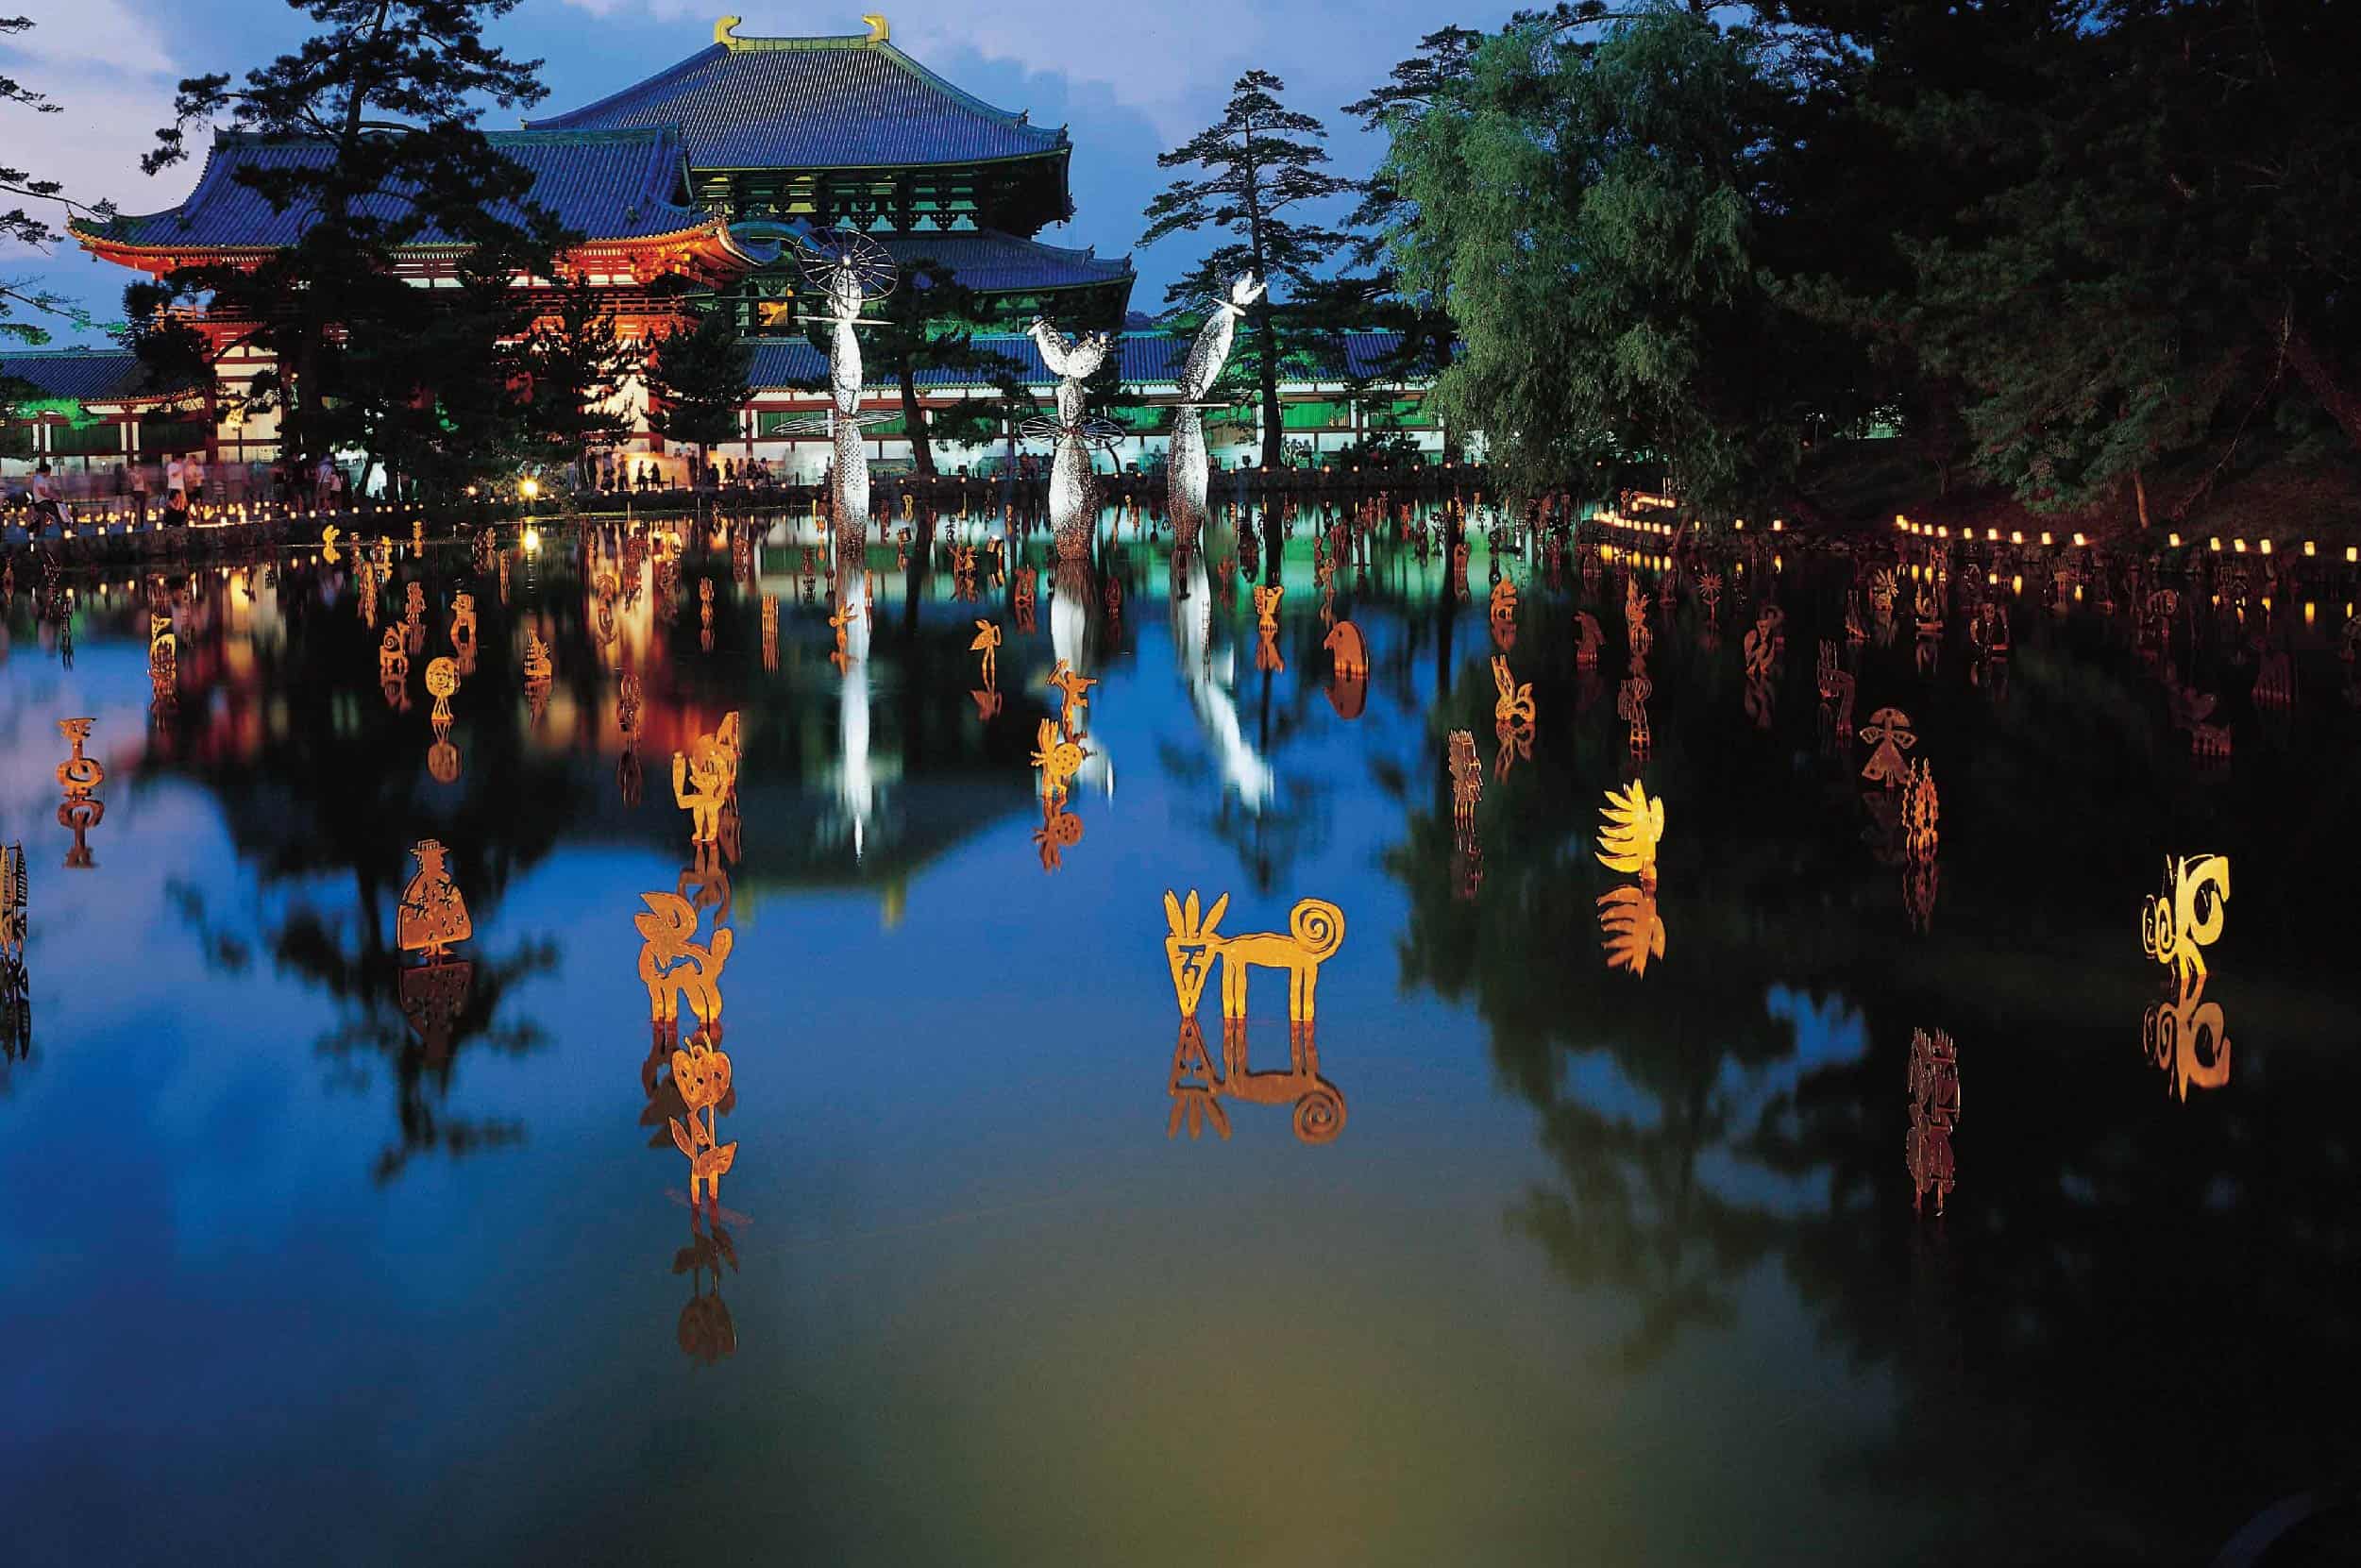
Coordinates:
850	270
1072	361
1207	356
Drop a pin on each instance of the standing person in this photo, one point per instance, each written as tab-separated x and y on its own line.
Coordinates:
176	509
341	487
323	483
176	479
45	507
139	491
192	475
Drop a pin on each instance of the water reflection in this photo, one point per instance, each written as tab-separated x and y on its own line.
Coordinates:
1197	1088
1934	1107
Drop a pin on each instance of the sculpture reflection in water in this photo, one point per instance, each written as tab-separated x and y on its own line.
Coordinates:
1186	464
1073	361
1632	826
1193	944
1933	1115
82	810
16	987
1512	716
1060	831
1467	785
2186	1037
1197	1089
705	1331
1348	680
675	967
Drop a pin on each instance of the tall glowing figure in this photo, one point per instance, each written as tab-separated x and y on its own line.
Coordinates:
1188	466
1072	361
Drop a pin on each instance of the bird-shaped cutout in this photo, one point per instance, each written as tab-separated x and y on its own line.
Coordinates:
1633	826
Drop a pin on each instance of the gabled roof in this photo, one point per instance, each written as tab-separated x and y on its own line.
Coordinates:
989	260
814	103
86	374
1146	359
606	185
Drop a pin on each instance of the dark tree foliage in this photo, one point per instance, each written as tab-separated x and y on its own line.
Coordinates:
1260	160
25	225
394	90
575	366
697	381
929	323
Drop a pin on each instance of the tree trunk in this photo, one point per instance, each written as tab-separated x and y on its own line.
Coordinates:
914	417
2139	496
1273	447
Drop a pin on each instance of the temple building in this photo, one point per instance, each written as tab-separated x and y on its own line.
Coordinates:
689	189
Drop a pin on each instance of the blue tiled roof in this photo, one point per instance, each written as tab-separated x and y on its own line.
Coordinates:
986	259
814	103
1148	359
606	185
90	375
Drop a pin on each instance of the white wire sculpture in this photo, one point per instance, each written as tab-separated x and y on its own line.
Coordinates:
850	269
1072	361
1186	468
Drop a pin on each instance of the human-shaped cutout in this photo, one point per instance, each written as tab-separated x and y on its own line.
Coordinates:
432	914
1889	735
1073	686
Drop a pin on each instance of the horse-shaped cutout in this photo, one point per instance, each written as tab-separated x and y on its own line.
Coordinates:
673	967
1315	931
1075	687
1198	1090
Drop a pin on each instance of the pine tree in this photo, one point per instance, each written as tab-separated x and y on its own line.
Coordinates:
576	366
22	227
394	90
1259	160
696	382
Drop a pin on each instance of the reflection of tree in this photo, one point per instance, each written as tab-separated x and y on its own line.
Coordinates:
2125	1327
335	786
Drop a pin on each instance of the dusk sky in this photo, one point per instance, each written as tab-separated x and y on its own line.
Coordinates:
1128	80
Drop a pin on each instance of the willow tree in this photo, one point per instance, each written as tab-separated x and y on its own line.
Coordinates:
1259	161
1586	207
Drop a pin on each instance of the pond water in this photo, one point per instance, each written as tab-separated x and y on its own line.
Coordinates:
321	1251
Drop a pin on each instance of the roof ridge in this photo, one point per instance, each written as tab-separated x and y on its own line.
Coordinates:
966	98
677	68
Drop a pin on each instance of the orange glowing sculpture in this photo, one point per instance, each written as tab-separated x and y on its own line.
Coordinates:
432	914
1935	1104
1504	603
1921	815
442	684
1836	690
1267	658
78	775
1267	606
770	631
1764	645
1631	707
1633	930
1889	735
1315	931
1073	684
673	967
462	617
988	643
1587	639
1633	826
1197	1091
2187	1038
1059	759
1467	781
13	903
1060	831
1635	618
700	1072
704	780
537	664
2177	925
1350	653
1514	706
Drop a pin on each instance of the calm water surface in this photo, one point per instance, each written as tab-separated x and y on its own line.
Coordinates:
311	1259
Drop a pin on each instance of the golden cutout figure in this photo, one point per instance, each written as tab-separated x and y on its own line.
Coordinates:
1467	782
15	897
1504	613
1315	931
1889	733
414	614
462	617
702	1073
1268	658
1633	826
441	684
1836	690
433	996
537	665
1197	1092
2187	1038
988	703
328	537
432	914
1634	931
1514	704
673	967
366	581
770	631
1059	759
78	775
1921	882
1764	645
1350	653
702	781
1921	813
1635	618
1631	707
1073	684
988	643
2177	925
1267	606
1935	1102
1060	831
1587	638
